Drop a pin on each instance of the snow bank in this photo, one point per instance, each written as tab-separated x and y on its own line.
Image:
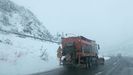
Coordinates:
107	58
24	56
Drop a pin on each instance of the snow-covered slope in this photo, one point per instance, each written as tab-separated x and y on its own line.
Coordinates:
18	19
21	55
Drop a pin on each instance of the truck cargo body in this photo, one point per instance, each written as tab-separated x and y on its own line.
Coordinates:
79	51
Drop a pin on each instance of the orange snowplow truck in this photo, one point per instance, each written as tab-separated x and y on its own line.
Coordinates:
77	51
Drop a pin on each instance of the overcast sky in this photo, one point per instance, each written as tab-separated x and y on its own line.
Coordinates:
107	21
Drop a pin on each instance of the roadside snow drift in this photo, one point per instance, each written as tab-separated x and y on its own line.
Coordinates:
21	56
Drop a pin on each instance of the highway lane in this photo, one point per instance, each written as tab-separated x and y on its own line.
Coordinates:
113	66
121	66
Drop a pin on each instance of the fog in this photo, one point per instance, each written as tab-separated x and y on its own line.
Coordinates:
109	22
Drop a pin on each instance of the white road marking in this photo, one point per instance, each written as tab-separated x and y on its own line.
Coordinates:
115	63
98	73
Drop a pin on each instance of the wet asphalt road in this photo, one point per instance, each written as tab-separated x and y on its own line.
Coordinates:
113	66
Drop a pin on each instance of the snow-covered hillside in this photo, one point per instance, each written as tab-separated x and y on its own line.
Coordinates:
24	55
20	56
18	19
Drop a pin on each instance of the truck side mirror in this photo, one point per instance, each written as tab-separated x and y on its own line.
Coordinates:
98	46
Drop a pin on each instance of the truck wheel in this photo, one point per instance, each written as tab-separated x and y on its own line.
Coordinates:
87	65
90	65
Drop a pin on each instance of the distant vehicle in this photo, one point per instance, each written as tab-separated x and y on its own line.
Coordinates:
79	51
119	55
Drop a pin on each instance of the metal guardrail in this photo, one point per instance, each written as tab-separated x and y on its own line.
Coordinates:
25	35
